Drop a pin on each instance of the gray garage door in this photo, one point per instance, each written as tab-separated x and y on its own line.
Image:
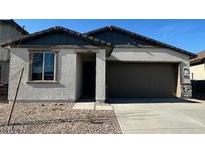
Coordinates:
141	80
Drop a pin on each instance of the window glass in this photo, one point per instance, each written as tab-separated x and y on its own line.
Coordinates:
37	66
49	66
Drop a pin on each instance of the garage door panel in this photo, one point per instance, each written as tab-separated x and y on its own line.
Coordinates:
132	80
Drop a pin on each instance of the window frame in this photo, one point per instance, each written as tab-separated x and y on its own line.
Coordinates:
43	51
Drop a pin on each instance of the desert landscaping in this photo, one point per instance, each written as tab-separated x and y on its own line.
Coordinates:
56	118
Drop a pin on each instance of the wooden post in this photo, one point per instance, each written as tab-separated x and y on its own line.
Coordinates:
94	106
17	89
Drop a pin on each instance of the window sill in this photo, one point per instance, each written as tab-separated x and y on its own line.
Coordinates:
42	82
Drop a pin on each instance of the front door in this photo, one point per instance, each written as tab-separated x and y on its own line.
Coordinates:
88	87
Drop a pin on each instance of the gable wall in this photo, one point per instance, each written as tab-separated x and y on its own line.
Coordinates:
119	38
57	39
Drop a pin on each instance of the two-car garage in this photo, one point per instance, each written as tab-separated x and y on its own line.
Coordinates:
141	80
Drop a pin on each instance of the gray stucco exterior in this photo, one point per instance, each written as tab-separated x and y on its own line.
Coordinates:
67	88
151	55
63	90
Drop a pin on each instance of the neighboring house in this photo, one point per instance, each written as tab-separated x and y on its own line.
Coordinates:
9	30
198	75
104	64
198	67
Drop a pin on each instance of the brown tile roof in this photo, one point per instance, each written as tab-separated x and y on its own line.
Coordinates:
199	59
133	34
201	54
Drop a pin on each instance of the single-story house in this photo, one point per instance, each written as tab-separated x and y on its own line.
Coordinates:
104	64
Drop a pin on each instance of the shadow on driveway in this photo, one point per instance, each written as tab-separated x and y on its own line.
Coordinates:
200	96
148	100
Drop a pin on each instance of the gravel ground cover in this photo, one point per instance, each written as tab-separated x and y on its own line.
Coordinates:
58	118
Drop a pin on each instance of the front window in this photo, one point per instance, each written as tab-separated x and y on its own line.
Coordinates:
43	66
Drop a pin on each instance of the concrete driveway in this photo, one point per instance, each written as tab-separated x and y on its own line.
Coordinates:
162	116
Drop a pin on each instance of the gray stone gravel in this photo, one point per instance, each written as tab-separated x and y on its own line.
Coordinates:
51	118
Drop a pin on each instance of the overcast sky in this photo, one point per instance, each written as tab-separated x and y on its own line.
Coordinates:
185	34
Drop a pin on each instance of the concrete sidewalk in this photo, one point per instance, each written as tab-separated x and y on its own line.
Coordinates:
90	106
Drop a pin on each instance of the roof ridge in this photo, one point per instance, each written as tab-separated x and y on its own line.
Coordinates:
203	51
